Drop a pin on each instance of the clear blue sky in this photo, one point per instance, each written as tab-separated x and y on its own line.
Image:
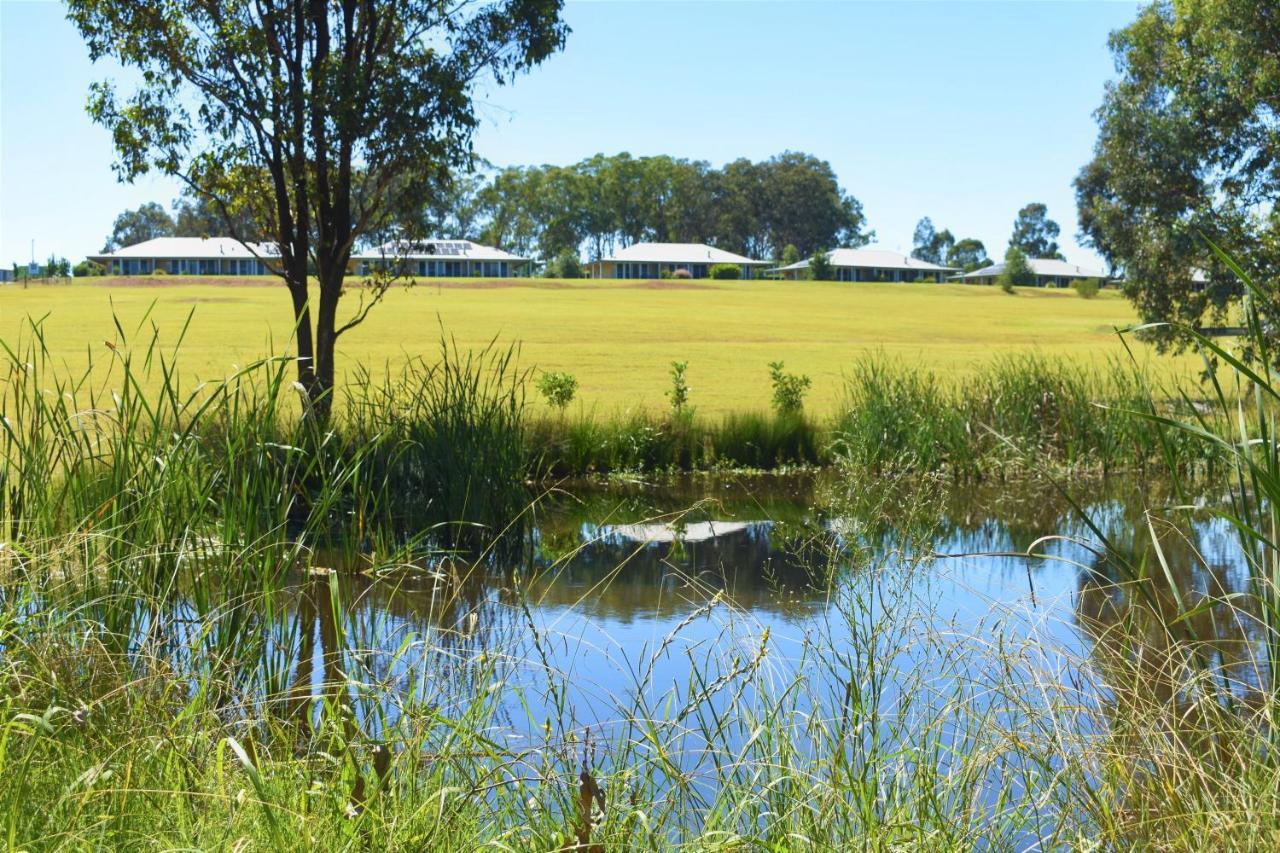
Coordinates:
959	111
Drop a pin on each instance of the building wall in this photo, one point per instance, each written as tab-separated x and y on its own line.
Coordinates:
447	268
869	274
1041	280
654	269
186	266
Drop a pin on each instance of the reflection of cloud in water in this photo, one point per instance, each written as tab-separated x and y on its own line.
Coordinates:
698	531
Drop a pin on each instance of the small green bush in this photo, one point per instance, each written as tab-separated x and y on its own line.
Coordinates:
725	271
788	389
1088	287
558	388
566	264
1017	270
679	393
820	268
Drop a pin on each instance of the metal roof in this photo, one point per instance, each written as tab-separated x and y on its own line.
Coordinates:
192	247
1042	266
871	258
678	253
435	248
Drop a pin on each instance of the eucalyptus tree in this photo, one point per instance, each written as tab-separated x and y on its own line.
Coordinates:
324	120
931	245
1188	147
1034	233
968	254
147	222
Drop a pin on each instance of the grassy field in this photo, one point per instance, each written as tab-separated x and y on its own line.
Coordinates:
617	337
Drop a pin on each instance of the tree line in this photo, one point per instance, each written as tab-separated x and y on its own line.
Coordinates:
595	207
784	208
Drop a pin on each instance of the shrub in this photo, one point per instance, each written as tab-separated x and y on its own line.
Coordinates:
1017	271
788	389
681	273
158	271
566	264
820	268
666	273
558	388
1088	287
88	268
679	393
725	271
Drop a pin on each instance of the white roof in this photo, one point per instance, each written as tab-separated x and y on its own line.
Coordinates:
1042	266
678	253
871	257
435	248
192	247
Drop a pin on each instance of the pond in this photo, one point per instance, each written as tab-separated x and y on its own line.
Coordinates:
683	617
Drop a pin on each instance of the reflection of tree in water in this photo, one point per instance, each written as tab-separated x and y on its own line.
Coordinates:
361	641
1180	656
1184	609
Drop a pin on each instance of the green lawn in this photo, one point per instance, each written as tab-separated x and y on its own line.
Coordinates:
617	337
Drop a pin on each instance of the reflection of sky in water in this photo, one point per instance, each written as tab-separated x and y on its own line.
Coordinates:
620	603
627	609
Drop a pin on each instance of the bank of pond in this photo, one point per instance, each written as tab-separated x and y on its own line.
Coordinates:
1033	610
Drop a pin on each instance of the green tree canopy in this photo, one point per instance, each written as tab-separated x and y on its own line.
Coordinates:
1188	148
968	254
931	246
149	221
348	111
1016	270
1034	233
820	268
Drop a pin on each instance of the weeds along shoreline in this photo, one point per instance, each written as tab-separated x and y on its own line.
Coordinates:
450	445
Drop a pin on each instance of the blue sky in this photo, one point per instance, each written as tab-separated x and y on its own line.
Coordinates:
956	110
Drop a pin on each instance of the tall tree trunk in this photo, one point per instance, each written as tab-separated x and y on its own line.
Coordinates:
326	342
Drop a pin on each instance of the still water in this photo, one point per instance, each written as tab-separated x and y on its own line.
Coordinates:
696	595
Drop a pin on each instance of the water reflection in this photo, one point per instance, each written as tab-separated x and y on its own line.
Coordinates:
608	573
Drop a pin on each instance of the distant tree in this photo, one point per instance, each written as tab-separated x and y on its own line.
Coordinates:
200	216
790	255
57	267
351	111
1188	148
931	246
1017	271
820	268
968	254
149	221
567	264
1088	287
805	206
1034	233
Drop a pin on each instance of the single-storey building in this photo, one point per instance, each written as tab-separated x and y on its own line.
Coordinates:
651	260
1049	272
870	264
189	256
227	256
442	259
